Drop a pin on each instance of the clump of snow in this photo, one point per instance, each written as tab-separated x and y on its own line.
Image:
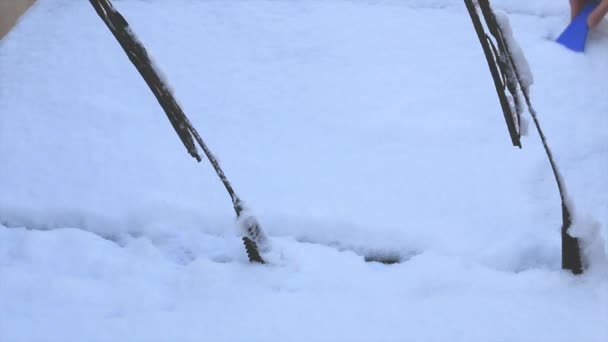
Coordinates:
521	63
251	228
518	118
524	124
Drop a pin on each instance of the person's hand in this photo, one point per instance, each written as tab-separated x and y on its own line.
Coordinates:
598	14
575	7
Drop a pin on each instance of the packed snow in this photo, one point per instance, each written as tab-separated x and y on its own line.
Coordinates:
353	129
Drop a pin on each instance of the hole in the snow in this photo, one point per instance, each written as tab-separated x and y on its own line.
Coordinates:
384	259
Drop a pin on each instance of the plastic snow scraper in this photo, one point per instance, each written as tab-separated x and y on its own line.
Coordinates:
575	35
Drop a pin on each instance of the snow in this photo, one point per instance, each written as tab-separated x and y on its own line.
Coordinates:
519	59
352	128
250	227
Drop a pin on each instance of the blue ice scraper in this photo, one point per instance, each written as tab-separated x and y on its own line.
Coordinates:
575	35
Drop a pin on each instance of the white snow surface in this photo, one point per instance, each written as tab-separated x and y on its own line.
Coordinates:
351	128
